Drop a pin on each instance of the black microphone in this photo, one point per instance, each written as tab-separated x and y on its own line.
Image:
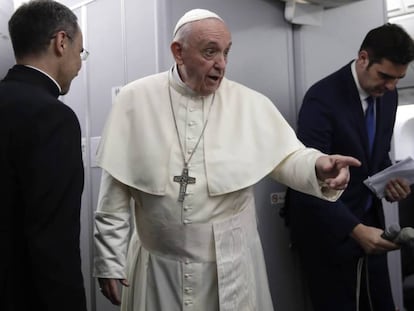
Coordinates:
391	233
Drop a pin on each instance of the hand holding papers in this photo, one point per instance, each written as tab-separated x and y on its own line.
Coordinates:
403	169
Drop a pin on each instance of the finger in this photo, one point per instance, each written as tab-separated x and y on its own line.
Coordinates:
406	188
403	189
113	298
124	282
106	292
109	289
387	245
349	161
340	182
401	192
396	191
113	294
403	181
103	288
336	184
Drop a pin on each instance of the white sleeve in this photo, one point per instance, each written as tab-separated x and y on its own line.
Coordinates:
297	171
112	228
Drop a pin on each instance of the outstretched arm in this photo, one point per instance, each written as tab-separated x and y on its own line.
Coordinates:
309	171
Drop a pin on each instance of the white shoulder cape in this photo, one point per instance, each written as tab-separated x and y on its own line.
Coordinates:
245	139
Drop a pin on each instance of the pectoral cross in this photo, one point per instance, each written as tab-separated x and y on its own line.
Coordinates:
184	180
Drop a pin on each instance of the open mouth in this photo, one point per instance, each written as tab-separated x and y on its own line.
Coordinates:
215	78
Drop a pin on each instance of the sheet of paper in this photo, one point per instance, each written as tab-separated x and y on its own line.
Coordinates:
403	169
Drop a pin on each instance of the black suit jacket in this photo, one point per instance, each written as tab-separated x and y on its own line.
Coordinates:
41	187
331	119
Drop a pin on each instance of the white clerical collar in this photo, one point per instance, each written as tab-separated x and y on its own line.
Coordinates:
46	74
181	84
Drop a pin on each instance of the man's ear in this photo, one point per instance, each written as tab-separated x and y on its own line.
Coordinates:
60	42
363	57
177	51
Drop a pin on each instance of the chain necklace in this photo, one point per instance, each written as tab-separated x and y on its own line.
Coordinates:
184	179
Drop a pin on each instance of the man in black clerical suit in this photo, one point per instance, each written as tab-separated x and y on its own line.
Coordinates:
41	164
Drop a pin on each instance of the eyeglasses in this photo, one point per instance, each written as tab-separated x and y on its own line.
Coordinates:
84	54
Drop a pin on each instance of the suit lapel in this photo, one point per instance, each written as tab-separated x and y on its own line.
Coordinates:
357	113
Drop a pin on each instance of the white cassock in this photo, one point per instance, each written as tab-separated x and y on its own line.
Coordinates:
203	253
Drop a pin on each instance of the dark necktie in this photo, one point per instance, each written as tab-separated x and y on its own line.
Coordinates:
370	125
370	122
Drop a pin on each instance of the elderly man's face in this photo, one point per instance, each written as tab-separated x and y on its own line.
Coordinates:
204	57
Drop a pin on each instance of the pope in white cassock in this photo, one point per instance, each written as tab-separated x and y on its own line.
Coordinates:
187	146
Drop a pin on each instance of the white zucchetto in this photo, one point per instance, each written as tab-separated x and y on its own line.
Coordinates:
194	15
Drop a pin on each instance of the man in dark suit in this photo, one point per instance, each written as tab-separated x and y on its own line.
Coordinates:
41	164
339	244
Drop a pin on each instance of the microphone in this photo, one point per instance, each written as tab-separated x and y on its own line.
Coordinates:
391	233
406	237
403	237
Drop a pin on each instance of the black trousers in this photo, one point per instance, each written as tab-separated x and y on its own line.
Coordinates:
333	286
